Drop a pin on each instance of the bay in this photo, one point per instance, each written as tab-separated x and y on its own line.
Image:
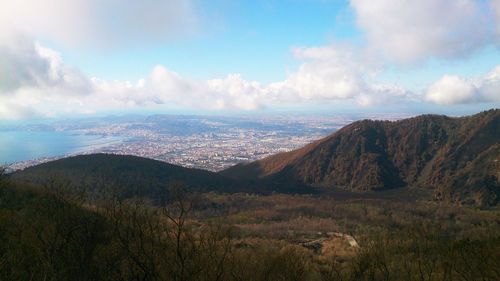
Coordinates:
17	146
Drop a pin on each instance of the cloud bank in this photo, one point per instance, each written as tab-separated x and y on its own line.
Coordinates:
35	82
452	89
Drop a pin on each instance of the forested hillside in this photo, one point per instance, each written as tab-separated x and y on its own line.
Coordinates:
48	233
127	175
458	158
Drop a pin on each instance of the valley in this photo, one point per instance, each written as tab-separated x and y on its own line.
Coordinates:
327	211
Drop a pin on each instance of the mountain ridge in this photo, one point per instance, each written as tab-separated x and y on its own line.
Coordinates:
456	159
426	151
132	175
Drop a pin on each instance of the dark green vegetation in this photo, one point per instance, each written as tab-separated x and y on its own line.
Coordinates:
128	175
108	217
48	234
458	158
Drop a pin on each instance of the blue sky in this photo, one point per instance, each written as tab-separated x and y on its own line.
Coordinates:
253	38
82	57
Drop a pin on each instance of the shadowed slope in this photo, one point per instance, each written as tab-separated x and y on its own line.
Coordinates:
132	175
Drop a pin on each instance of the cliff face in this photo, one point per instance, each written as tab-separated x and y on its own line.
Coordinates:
457	157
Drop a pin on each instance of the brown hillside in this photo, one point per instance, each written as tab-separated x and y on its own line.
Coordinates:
458	157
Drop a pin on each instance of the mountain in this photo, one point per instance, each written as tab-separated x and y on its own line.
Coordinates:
457	158
131	175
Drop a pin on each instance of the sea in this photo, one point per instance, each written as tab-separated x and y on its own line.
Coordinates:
18	146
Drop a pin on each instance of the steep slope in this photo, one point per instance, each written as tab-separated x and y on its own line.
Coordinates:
131	175
458	157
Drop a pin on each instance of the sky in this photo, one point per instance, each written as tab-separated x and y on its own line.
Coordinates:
63	58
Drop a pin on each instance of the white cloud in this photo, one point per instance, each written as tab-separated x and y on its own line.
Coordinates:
451	89
407	31
36	82
489	85
328	73
33	79
98	23
27	64
384	94
232	92
336	73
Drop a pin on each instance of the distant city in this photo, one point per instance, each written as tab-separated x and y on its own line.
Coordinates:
206	142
